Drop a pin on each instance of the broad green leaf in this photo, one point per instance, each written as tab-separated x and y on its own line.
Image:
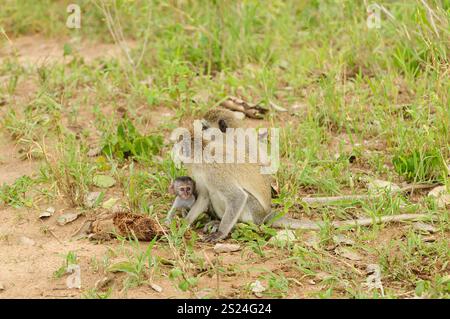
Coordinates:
104	181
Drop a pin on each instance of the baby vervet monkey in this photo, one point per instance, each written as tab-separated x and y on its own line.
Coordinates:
184	188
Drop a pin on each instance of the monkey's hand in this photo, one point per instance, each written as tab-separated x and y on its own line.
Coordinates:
214	237
211	226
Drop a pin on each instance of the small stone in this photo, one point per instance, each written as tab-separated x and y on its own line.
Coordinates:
156	287
2	287
226	248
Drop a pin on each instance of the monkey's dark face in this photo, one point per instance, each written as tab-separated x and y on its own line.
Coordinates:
185	190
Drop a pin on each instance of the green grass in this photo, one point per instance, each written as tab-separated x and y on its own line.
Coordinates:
374	103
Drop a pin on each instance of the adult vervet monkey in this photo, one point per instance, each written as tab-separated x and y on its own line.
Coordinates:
236	192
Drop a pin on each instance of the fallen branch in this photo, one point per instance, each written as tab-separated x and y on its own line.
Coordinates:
331	199
383	219
366	221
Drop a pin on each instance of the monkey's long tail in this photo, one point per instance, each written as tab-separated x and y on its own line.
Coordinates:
286	222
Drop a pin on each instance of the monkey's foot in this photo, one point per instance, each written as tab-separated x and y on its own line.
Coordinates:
214	237
211	226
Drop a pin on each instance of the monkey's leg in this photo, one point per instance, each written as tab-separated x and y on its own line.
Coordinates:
235	203
200	206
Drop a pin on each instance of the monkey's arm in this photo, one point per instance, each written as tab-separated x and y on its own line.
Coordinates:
200	206
172	211
234	205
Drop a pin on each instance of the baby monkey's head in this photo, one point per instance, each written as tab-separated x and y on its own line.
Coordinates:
183	186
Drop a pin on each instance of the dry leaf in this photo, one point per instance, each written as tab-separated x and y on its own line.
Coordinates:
47	213
257	288
67	218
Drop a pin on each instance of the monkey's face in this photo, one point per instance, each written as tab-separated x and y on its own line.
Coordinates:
185	190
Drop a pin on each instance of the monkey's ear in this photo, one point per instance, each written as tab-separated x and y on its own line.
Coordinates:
223	125
172	189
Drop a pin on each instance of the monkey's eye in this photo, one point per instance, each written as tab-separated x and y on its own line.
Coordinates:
188	189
